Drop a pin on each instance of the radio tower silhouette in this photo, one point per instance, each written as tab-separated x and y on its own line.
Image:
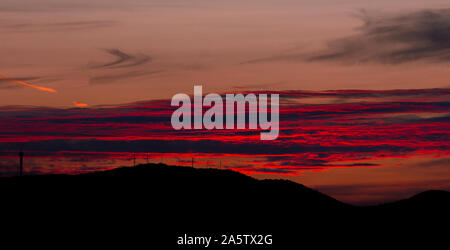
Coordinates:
20	163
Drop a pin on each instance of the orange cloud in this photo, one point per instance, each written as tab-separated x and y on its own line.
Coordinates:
28	84
79	104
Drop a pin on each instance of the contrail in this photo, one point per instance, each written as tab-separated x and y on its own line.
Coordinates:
28	84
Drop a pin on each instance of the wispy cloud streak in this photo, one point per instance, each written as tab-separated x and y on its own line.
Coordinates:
421	36
28	84
124	60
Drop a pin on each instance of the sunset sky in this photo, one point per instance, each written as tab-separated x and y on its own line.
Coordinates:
364	88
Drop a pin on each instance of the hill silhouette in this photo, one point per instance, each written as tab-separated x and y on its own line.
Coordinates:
154	203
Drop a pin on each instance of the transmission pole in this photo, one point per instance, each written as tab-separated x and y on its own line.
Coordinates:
21	163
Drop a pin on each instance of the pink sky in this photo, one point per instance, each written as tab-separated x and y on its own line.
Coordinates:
59	44
60	54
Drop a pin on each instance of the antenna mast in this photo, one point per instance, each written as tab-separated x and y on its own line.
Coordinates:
21	163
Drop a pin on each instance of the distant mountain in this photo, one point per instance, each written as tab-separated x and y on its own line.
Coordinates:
156	202
432	199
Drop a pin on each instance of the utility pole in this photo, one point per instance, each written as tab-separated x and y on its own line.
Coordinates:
192	161
21	163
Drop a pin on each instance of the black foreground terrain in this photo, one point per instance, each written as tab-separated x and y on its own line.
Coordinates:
150	206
